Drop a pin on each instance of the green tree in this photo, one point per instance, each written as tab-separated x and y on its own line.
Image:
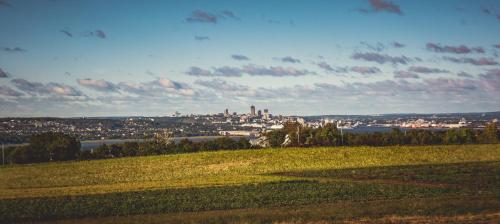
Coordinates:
276	137
243	143
185	145
63	147
490	133
101	152
47	147
327	136
129	148
29	154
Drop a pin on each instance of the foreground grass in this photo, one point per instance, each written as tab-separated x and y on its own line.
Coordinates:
420	210
254	179
217	168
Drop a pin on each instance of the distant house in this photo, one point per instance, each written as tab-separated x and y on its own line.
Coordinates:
237	133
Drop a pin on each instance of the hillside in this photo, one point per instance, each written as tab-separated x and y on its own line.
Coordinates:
443	178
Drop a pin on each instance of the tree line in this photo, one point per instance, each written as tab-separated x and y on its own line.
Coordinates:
50	146
45	147
328	135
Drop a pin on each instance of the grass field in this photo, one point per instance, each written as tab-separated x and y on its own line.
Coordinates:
378	184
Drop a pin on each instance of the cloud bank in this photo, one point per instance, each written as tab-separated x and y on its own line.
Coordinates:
252	70
461	49
381	58
382	6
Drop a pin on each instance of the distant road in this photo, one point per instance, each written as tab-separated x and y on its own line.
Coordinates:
90	144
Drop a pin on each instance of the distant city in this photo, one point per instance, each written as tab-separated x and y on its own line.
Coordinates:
227	123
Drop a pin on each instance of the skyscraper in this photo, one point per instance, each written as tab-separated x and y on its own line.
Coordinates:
266	114
252	110
259	113
226	112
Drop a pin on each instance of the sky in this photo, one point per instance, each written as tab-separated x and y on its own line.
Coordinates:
72	58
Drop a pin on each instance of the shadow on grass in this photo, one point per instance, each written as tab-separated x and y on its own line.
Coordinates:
475	177
415	210
472	176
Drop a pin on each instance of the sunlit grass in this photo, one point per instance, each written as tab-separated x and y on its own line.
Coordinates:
244	179
216	168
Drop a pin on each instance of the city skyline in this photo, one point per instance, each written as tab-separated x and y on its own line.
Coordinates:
152	58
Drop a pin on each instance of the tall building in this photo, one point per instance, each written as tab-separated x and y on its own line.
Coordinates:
259	113
252	110
226	112
266	114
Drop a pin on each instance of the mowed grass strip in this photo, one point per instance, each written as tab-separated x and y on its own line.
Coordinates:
224	168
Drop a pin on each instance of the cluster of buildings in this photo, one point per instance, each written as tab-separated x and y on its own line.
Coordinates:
253	115
255	122
18	130
421	123
252	124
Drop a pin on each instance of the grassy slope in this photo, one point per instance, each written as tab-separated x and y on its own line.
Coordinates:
216	168
424	210
247	179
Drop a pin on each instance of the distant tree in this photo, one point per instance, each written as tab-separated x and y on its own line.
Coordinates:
148	148
8	153
47	147
116	150
85	155
276	137
185	145
161	143
243	143
129	149
101	152
207	146
29	154
297	134
226	143
490	133
163	138
290	127
327	136
468	136
63	147
451	137
310	140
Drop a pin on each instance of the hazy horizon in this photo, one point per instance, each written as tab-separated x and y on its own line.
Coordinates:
152	58
297	115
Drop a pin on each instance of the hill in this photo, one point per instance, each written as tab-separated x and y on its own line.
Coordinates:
298	184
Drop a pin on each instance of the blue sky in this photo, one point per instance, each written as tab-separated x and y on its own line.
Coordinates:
118	58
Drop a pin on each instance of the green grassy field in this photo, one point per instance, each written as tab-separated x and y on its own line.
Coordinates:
293	184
